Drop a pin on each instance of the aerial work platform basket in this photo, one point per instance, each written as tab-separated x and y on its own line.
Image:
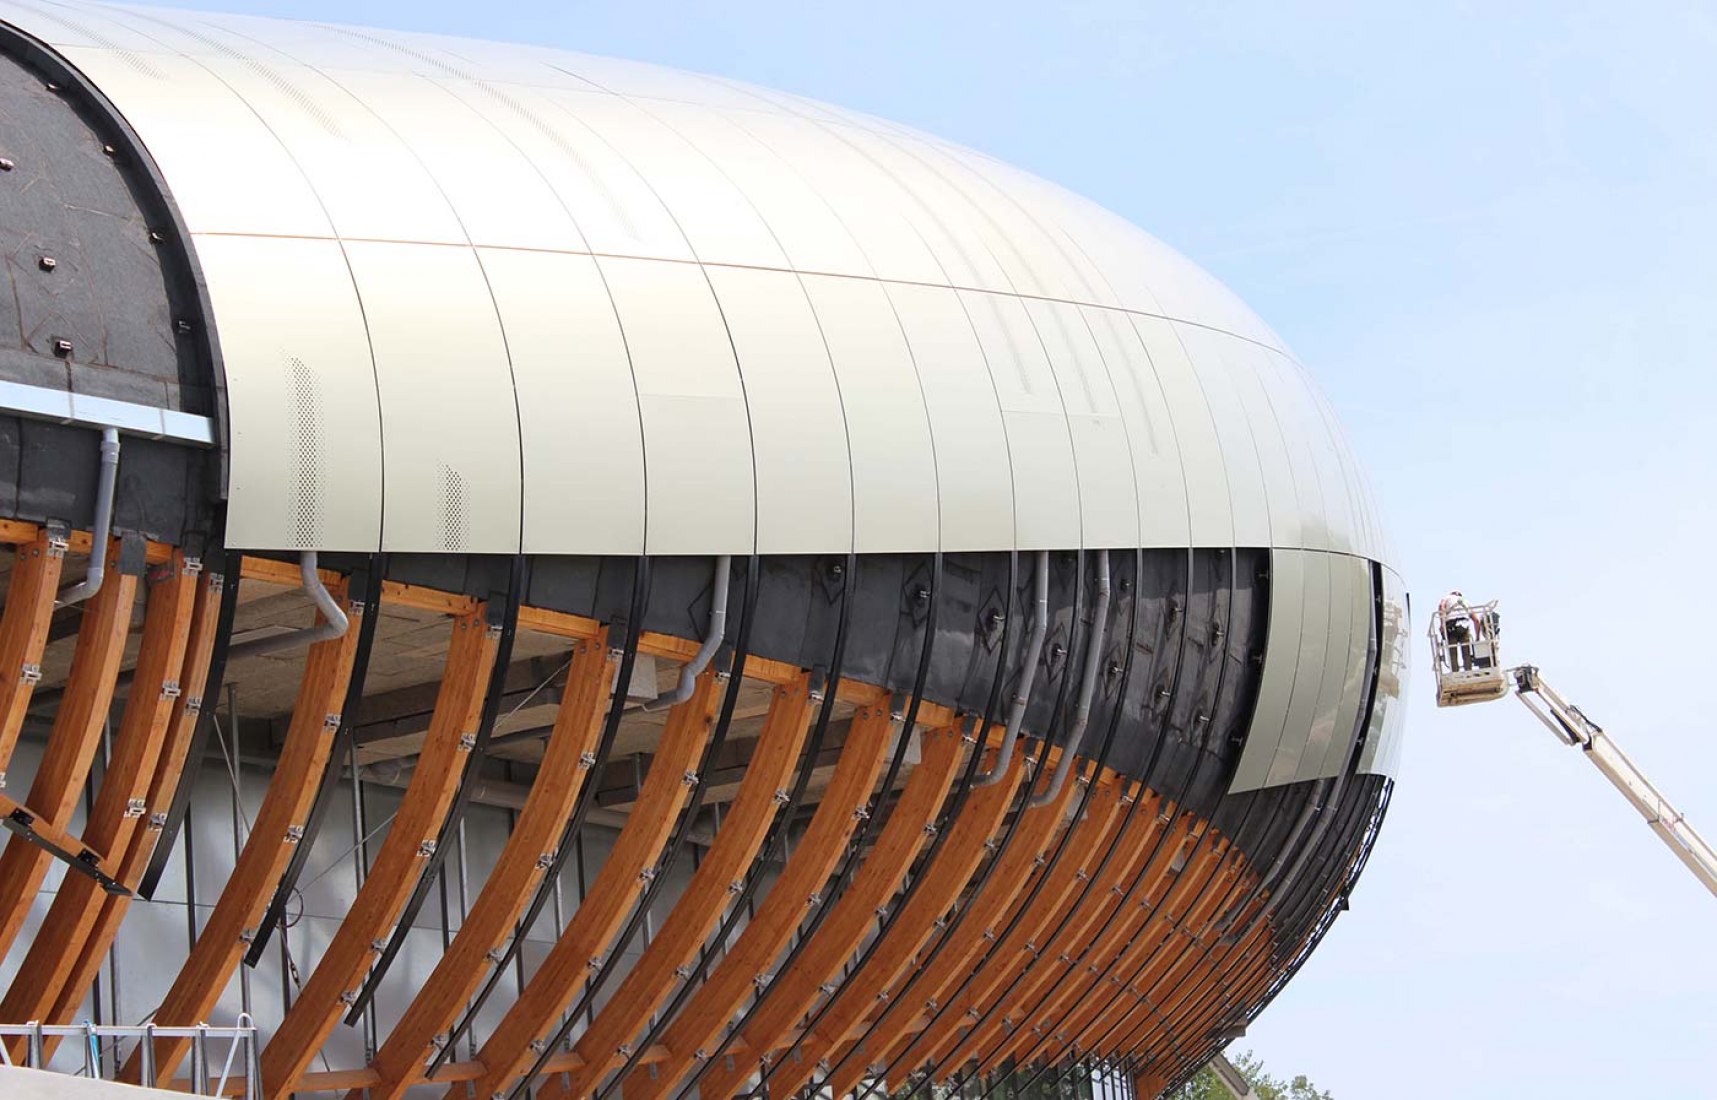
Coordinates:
1466	649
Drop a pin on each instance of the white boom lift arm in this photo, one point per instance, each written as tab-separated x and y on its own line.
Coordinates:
1464	647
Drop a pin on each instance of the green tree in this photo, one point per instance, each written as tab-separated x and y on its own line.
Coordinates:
1206	1086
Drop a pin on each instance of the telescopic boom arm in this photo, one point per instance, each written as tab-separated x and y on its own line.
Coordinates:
1574	728
1464	653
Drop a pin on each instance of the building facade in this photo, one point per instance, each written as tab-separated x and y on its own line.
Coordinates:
538	572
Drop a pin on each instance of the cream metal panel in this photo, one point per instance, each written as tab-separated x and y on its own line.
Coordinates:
1291	491
974	479
450	422
803	223
697	435
971	251
61	25
582	441
1366	529
1158	477
1045	207
855	190
1040	449
718	220
1338	656
888	427
1248	490
344	150
227	172
1282	645
1382	753
1298	405
1359	642
1023	242
614	208
498	196
1108	495
639	80
804	473
1210	507
306	462
1308	671
328	46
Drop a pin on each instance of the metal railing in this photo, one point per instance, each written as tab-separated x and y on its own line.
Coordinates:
239	1072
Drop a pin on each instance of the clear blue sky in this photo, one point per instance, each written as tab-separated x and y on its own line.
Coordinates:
1491	231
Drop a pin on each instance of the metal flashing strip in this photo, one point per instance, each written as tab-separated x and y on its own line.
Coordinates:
65	407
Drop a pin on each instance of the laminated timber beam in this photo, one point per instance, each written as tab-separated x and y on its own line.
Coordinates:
118	814
1104	819
700	1021
278	825
75	737
934	893
157	797
1018	869
630	866
784	1001
1093	1020
1059	929
761	796
17	532
24	627
1089	834
399	864
1078	977
529	851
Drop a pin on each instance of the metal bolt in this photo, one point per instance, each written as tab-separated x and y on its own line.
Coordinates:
110	150
156	236
182	326
63	348
47	263
6	164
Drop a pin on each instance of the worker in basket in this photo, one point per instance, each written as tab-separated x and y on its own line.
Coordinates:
1457	623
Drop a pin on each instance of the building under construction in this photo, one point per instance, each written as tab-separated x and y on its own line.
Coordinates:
538	574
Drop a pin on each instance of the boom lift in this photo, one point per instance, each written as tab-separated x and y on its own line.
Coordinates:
1466	657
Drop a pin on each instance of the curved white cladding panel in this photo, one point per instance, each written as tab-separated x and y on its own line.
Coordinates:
589	306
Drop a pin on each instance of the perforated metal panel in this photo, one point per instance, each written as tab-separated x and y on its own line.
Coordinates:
302	398
450	420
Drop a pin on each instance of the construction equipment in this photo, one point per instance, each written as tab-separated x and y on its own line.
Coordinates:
1466	656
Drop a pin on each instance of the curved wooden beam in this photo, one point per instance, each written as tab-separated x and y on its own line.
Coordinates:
1025	942
1067	981
410	840
937	1029
117	817
651	979
560	779
784	1001
699	1022
1018	869
943	882
73	742
1093	1022
591	931
279	821
24	632
169	767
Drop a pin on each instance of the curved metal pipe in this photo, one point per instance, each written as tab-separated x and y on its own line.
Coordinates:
712	642
107	479
333	625
1028	674
1087	688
